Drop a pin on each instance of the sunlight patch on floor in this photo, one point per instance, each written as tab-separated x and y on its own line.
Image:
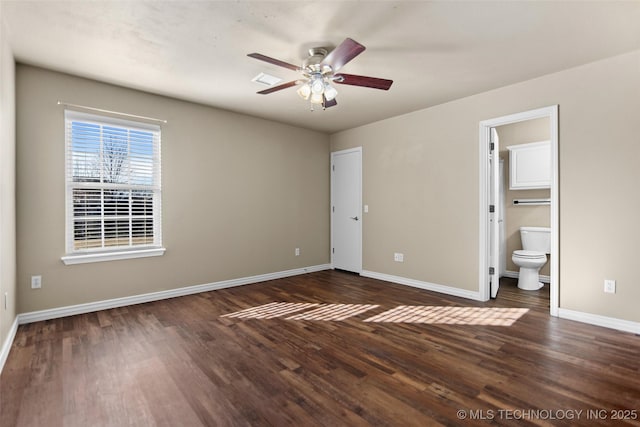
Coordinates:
333	312
447	315
450	315
271	310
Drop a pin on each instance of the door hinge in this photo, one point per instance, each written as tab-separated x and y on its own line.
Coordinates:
492	146
492	208
333	168
492	271
333	250
333	208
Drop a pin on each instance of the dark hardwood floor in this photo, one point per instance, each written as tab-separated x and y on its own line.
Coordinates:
191	361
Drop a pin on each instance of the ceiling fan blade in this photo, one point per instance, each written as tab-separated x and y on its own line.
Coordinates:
279	87
326	103
354	80
343	53
273	61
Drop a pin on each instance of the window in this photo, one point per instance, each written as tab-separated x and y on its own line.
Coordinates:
113	200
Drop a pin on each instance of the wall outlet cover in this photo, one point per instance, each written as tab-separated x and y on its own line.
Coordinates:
36	282
610	286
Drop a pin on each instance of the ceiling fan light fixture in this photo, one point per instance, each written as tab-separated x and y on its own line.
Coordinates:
319	72
316	98
330	92
304	91
317	86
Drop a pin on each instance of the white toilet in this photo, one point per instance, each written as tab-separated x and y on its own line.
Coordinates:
536	244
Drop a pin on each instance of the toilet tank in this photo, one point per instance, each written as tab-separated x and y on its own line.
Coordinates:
536	239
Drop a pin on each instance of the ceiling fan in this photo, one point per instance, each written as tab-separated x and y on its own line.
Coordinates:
320	71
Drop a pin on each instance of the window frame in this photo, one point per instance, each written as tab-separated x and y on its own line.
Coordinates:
118	252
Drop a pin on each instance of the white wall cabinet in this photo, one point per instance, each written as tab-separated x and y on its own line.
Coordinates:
530	166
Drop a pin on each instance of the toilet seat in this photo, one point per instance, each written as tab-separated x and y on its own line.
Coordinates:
524	254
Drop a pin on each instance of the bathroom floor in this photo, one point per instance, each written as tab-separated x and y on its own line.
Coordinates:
510	295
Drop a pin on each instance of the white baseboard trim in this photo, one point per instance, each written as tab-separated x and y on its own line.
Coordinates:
8	342
593	319
597	320
449	290
54	313
511	274
516	274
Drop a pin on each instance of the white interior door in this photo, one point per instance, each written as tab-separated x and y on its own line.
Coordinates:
494	213
346	210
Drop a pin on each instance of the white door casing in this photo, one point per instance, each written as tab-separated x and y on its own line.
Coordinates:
494	213
346	210
484	249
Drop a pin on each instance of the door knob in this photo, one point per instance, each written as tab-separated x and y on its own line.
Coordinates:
354	218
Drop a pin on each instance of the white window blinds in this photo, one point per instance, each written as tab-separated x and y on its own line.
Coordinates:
112	183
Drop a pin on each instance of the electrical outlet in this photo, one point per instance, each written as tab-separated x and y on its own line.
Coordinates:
610	286
398	257
36	282
297	251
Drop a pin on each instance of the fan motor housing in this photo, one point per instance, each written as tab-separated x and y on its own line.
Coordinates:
314	61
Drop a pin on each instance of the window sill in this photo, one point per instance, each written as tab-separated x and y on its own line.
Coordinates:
111	256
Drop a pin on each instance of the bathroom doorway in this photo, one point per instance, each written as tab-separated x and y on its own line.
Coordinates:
492	207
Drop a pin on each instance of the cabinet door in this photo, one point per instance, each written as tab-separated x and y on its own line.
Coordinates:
530	166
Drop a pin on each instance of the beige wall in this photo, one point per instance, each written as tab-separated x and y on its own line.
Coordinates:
517	216
422	203
239	195
420	180
7	186
266	187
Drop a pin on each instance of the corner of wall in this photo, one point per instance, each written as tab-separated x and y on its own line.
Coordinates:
8	318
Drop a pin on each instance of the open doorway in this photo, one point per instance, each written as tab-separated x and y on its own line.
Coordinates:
497	238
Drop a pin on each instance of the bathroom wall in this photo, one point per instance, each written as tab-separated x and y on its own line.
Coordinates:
518	216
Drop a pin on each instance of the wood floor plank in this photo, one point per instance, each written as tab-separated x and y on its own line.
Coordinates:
179	362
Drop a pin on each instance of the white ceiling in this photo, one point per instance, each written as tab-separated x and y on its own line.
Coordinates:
434	51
